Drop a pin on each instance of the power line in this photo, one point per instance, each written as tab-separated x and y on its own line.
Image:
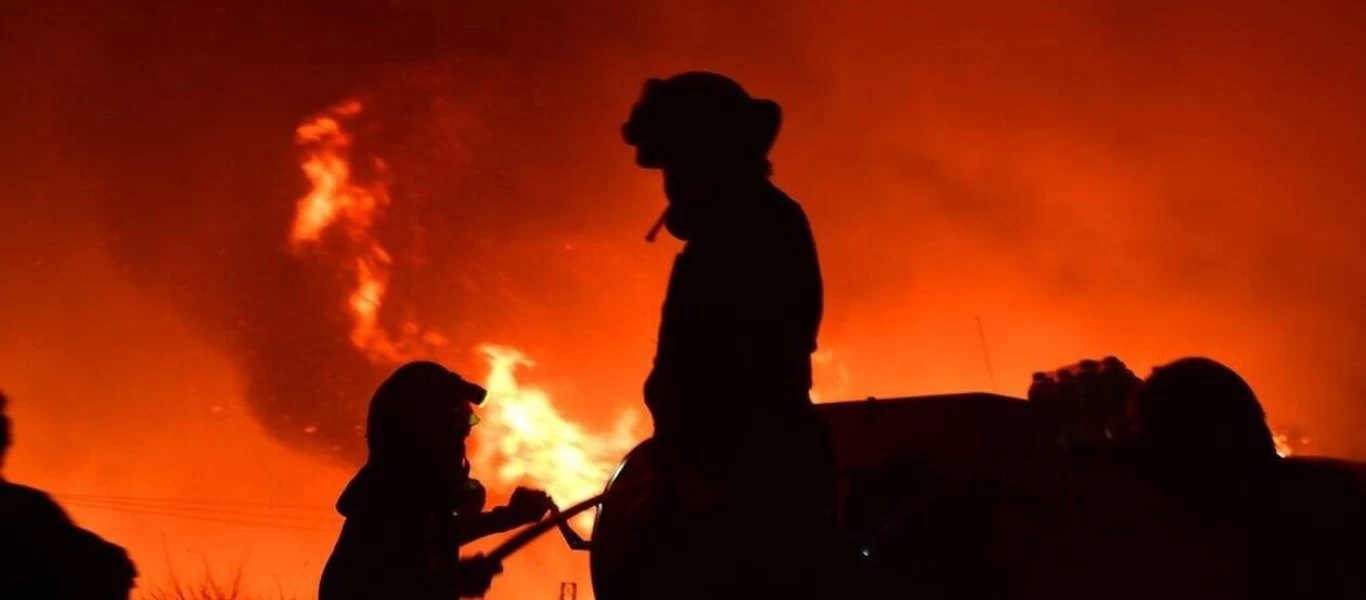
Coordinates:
248	514
196	510
186	501
203	517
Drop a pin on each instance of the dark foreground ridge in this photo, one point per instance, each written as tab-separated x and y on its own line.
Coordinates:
980	495
43	554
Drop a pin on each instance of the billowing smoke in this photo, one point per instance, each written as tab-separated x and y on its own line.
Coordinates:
1088	180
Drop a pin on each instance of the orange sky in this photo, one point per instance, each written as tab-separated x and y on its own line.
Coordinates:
1145	179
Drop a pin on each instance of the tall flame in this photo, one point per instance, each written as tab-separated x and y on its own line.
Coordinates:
526	440
523	440
328	167
338	200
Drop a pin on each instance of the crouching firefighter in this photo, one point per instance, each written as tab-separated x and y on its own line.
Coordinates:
413	504
735	430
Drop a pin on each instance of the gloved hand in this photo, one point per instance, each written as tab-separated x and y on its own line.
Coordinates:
471	499
476	575
528	505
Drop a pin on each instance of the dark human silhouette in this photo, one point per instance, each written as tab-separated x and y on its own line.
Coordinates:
1200	437
43	554
729	392
1323	504
413	504
1199	429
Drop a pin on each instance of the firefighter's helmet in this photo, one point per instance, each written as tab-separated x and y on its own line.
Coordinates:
701	119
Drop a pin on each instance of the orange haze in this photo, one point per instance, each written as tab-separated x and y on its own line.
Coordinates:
1149	179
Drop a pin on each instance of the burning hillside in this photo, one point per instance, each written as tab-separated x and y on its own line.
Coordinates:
524	439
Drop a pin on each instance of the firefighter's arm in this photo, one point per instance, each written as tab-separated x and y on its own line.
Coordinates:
476	576
488	523
526	506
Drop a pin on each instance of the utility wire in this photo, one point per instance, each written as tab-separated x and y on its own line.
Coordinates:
250	514
227	513
185	501
192	516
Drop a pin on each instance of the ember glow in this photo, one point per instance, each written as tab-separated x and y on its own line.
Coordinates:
1292	443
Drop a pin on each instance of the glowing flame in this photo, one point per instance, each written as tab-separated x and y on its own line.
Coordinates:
338	200
831	377
525	440
327	165
1283	448
1291	443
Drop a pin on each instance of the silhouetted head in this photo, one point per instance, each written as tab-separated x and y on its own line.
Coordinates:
420	416
4	429
699	121
1198	412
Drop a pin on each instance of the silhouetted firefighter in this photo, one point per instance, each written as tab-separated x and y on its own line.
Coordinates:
413	504
43	554
1200	432
730	389
1202	436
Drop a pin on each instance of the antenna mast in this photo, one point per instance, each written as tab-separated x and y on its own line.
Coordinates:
986	357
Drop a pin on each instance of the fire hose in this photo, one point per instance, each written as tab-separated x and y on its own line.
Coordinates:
526	536
561	518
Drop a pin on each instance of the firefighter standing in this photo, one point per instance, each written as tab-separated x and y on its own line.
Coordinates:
729	392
